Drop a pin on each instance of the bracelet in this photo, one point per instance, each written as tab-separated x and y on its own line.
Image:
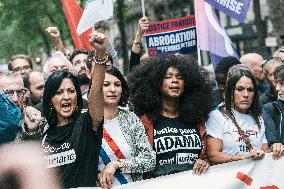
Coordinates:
232	158
137	43
96	59
101	62
99	59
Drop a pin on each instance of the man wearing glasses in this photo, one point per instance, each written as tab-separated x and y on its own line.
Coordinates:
31	124
13	86
20	64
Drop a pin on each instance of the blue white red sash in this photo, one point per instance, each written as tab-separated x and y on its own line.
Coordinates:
105	158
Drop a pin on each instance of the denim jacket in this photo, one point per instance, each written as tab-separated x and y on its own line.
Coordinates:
10	116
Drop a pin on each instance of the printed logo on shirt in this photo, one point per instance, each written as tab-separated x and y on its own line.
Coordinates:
52	149
248	133
180	139
180	158
63	158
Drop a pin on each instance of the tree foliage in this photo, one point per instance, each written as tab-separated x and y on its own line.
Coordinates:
276	14
23	25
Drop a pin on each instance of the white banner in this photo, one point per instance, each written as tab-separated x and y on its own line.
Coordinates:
247	174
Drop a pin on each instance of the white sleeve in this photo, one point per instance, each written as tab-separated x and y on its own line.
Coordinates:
214	124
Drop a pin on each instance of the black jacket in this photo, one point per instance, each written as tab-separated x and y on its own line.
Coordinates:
270	95
273	115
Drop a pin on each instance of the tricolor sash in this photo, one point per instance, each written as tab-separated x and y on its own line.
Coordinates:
105	158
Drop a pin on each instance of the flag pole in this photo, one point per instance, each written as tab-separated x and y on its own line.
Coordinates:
199	56
143	7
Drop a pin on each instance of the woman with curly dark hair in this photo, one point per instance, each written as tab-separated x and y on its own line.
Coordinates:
173	99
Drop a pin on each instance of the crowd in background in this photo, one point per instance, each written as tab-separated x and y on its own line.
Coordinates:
97	127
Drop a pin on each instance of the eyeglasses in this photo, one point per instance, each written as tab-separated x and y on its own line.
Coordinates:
24	68
20	93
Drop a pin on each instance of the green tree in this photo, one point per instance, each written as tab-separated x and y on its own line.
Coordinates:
276	14
23	26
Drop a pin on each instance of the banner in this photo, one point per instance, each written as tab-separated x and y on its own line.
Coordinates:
246	174
236	9
171	36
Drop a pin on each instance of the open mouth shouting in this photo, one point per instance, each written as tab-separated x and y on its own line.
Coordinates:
66	107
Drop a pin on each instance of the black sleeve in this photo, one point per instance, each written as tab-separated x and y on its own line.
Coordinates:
134	60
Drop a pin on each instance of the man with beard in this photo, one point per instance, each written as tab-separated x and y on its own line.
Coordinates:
34	82
81	71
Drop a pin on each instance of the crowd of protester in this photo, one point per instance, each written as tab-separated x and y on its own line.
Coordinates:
97	127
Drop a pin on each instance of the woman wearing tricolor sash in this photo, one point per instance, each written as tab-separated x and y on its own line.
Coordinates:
125	153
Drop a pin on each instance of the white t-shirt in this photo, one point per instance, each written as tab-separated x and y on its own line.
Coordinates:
113	129
218	126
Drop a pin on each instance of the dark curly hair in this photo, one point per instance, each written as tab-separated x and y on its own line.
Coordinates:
225	64
51	86
76	52
145	83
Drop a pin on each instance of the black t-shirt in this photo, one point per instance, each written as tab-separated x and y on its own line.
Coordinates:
74	150
177	145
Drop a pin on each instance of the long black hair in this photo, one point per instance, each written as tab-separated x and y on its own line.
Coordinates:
125	90
51	86
254	109
145	83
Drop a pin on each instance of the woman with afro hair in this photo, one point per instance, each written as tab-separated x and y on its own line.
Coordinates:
172	97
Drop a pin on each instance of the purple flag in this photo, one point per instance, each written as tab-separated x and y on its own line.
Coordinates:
211	36
236	9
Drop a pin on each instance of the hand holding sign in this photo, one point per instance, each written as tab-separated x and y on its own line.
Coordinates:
143	25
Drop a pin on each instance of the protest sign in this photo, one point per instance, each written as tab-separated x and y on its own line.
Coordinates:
171	36
246	174
236	9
